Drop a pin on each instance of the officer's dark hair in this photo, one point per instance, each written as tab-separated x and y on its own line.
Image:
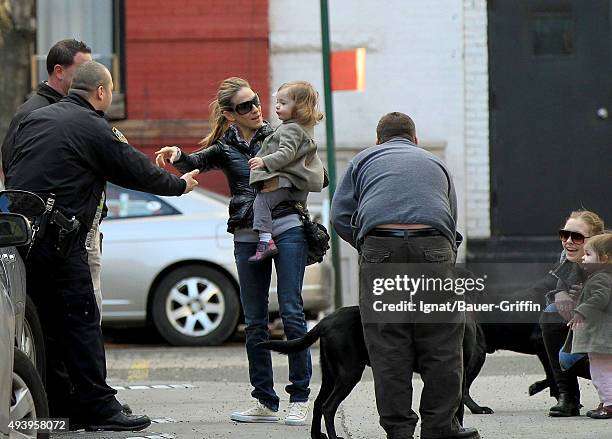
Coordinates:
395	124
88	76
63	52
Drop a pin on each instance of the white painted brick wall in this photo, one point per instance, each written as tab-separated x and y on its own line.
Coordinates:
476	118
416	63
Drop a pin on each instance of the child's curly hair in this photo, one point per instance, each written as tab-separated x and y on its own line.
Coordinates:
602	245
306	111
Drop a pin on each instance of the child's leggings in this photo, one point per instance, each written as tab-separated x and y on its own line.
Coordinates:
263	205
601	374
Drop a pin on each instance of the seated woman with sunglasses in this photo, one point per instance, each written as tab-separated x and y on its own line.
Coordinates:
579	227
236	136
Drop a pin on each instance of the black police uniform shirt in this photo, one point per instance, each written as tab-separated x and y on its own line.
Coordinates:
70	150
44	95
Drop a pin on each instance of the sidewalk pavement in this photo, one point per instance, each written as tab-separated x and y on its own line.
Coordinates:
217	385
203	412
517	415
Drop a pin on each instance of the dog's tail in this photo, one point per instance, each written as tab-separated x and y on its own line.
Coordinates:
291	346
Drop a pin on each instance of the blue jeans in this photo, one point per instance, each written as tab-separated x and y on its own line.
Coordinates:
566	359
551	308
254	289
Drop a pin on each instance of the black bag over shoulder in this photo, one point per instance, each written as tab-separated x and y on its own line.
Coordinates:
317	236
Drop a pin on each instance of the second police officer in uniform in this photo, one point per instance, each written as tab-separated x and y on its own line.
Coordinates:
69	150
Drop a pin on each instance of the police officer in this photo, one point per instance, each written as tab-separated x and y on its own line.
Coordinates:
69	150
62	61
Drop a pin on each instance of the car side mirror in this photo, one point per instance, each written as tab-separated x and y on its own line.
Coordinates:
14	230
22	202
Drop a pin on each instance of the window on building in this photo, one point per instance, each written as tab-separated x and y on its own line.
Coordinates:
552	33
96	22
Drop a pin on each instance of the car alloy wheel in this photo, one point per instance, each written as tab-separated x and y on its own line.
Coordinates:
195	306
22	404
32	339
28	398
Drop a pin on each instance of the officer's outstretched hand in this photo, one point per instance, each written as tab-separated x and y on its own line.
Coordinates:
168	154
190	179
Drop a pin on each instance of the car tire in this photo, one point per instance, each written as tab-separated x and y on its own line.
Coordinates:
28	394
35	342
195	305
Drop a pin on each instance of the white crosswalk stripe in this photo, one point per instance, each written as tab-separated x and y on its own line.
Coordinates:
155	386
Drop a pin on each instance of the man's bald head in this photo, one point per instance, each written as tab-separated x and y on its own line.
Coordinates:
93	82
89	76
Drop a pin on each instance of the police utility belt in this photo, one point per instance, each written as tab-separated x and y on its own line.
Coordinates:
56	226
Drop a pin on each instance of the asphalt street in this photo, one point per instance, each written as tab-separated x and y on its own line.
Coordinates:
190	393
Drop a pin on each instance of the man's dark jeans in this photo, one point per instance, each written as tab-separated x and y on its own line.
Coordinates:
395	349
254	287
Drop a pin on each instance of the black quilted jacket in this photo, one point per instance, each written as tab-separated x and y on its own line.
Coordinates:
231	154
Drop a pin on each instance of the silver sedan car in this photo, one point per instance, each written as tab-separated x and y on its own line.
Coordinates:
22	395
169	261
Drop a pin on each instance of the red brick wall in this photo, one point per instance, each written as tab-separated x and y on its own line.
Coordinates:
177	52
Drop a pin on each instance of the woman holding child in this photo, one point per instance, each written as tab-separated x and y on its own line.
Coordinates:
579	228
238	133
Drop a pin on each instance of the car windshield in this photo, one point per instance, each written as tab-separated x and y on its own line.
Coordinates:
127	203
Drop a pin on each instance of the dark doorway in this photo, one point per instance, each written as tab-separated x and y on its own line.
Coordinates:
550	65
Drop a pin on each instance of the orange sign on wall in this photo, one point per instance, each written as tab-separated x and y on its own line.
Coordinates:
348	70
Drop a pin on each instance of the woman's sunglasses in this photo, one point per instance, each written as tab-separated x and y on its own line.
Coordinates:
577	238
245	107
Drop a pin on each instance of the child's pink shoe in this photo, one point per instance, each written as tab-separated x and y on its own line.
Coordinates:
265	250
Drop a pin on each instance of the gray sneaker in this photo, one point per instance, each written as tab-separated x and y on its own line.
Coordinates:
257	413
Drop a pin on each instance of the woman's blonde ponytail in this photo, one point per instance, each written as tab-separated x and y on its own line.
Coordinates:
218	125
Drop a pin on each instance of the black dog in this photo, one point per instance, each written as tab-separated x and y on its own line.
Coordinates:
343	357
518	332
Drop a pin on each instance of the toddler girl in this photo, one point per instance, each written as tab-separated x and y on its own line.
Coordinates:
287	161
592	320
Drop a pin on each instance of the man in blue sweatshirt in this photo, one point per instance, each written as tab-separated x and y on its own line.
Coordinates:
396	204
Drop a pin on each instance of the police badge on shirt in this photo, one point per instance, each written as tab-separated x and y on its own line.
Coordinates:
119	135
